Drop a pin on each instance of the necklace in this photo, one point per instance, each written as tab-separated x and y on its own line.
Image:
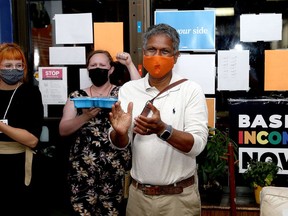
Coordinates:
101	94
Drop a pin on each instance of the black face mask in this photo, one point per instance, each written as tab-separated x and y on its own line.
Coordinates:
98	76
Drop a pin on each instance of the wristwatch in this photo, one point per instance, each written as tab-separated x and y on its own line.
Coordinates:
166	134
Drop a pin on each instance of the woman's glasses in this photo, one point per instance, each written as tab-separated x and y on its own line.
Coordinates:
9	66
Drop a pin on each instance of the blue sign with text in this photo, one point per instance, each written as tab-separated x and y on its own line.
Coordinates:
195	27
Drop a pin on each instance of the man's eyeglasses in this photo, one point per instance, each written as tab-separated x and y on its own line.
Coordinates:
162	52
9	66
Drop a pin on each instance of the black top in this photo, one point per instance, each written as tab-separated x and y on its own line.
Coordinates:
25	111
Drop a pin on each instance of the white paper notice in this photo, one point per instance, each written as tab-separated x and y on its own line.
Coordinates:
53	84
262	27
233	70
67	56
198	68
84	78
74	28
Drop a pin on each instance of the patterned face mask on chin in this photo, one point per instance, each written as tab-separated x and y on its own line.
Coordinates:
11	77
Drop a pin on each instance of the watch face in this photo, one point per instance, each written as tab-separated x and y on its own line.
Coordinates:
165	135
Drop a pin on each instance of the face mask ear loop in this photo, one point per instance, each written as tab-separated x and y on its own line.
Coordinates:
110	72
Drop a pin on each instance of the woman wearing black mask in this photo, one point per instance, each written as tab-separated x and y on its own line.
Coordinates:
21	120
96	169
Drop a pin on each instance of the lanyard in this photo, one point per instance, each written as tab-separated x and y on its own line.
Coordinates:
10	101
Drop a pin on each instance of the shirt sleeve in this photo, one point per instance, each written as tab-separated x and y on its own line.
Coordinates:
196	120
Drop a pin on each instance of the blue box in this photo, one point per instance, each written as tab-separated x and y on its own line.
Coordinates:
88	102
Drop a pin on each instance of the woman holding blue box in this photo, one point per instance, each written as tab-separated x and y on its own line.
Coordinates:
97	169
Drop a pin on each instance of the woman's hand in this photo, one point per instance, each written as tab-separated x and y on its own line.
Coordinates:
124	58
91	112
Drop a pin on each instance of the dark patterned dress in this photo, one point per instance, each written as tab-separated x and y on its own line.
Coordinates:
97	168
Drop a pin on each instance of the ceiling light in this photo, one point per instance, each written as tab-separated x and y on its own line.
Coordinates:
225	11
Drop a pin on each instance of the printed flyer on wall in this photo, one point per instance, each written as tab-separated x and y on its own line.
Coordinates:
53	84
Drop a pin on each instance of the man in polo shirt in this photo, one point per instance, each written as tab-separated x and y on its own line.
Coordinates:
167	136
